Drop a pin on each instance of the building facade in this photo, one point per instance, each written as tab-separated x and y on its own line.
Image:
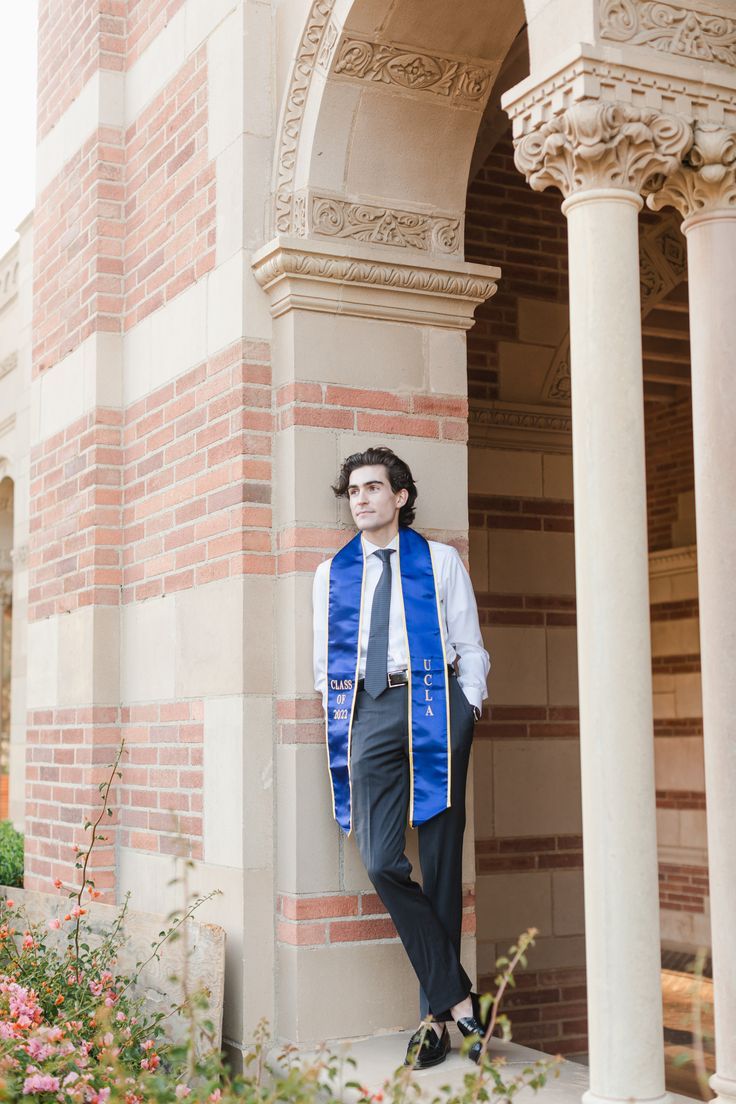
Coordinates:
267	233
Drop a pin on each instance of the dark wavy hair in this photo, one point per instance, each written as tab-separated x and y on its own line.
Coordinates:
399	476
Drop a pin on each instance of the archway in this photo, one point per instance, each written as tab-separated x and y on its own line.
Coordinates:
371	298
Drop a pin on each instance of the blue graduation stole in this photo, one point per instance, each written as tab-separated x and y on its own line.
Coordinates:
428	700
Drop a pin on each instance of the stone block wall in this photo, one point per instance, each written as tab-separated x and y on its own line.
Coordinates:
151	550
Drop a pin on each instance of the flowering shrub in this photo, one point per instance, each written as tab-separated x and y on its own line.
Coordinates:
72	1030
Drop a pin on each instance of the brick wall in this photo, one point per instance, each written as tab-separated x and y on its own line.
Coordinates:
197	493
77	250
75	39
670	473
170	194
170	493
75	502
146	19
525	233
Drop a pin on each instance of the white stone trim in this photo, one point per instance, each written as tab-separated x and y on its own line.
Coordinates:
100	103
371	282
163	58
682	856
116	99
89	376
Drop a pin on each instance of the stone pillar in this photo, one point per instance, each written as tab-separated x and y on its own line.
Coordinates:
602	157
704	192
369	348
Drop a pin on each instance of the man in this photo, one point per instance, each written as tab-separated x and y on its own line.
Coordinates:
400	664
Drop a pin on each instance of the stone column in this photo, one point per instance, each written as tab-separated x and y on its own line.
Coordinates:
369	347
704	192
602	157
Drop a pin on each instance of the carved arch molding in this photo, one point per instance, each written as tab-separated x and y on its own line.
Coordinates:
329	51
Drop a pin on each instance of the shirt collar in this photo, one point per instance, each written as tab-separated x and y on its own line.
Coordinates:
371	548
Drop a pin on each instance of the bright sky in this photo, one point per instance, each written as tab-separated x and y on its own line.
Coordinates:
17	114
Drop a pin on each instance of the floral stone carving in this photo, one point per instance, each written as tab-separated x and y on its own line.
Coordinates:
669	28
603	145
384	225
706	181
387	64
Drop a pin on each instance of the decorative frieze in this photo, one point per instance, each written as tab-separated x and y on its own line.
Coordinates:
603	145
371	283
309	51
339	218
669	28
519	425
706	181
673	561
465	85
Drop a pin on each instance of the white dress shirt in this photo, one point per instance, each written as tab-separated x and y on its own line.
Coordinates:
459	619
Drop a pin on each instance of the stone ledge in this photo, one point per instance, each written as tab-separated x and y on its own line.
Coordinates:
372	282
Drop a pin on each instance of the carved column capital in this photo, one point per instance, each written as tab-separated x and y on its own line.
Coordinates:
603	145
706	180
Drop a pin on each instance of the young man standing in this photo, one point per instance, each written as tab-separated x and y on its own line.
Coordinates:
400	663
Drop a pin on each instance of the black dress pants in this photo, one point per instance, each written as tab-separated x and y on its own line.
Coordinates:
428	918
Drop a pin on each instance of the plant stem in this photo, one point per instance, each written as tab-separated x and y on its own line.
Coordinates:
95	826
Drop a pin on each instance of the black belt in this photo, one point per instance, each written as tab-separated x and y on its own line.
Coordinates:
401	678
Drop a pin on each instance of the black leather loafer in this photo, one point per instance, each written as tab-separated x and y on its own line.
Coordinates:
427	1048
469	1027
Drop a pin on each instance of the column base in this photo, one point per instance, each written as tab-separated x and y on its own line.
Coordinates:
590	1097
724	1088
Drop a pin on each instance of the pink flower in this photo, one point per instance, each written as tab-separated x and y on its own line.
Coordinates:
9	903
182	1091
77	911
215	1096
58	883
41	1082
54	923
28	941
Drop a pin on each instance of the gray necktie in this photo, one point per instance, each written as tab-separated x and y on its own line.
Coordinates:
376	660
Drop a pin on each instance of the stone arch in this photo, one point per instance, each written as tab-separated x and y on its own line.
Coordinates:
380	118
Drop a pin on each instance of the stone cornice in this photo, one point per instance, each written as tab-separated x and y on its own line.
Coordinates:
603	145
590	72
693	31
706	181
519	426
673	561
371	282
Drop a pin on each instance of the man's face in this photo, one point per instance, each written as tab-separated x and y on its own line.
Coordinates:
372	502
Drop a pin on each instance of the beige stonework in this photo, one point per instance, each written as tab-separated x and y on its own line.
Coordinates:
334	161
